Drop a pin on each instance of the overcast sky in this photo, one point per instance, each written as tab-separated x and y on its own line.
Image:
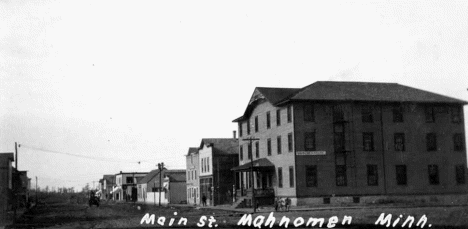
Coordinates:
145	80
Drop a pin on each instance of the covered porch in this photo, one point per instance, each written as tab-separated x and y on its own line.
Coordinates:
261	182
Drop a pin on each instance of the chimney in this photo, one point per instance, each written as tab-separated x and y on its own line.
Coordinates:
234	134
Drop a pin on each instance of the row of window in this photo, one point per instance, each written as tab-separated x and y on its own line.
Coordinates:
192	175
205	165
268	121
373	177
398	138
366	114
192	193
291	177
269	148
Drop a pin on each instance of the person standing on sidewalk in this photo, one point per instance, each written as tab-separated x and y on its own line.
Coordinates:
204	200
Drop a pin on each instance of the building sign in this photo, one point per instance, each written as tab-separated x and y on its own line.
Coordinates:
311	153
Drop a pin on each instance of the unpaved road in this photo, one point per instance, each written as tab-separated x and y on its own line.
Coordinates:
124	215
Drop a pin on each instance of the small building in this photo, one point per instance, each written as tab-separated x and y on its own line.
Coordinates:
125	187
193	181
6	183
108	182
217	156
171	189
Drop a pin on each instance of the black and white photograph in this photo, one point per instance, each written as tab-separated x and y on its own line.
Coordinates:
233	114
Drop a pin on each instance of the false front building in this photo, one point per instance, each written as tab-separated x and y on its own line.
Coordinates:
350	139
216	158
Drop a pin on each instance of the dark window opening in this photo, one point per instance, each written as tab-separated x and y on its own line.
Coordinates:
289	113
240	129
398	114
268	124
248	127
257	150
431	142
241	153
368	141
401	174
372	175
309	141
311	176
429	113
280	177
309	115
278	144
290	142
460	174
433	171
291	176
278	117
256	124
366	114
269	146
456	114
341	179
249	151
399	140
458	143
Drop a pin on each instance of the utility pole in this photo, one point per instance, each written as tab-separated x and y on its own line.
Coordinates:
160	167
250	140
36	190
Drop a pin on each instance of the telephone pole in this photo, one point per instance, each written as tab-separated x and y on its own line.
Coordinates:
160	167
250	140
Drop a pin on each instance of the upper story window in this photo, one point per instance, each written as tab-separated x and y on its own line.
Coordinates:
290	142
399	140
256	124
269	146
248	127
397	114
309	141
289	113
129	180
257	150
455	114
240	129
368	141
458	143
429	114
460	174
249	151
431	142
278	144
241	153
366	114
278	117
268	123
372	175
309	115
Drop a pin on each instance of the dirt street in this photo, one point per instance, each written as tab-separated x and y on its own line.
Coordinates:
126	215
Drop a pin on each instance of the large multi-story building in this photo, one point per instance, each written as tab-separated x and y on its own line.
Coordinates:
350	139
193	182
216	157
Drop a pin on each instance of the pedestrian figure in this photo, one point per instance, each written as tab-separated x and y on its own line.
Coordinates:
277	204
204	200
288	203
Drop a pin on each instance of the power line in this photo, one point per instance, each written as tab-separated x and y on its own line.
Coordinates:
77	155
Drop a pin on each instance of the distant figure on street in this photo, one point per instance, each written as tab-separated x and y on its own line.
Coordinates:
203	200
288	203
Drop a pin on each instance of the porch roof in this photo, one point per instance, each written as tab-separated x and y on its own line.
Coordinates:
259	164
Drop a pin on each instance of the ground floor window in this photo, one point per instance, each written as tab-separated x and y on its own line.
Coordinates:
372	175
341	179
291	176
311	176
401	174
433	171
280	177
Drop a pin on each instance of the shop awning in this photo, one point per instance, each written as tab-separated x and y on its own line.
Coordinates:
259	164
